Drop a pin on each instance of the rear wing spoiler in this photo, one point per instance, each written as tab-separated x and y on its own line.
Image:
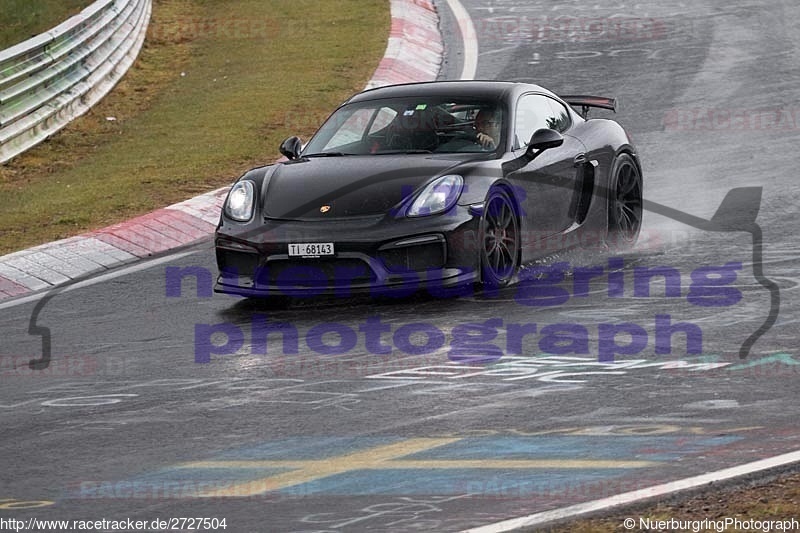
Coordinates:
586	102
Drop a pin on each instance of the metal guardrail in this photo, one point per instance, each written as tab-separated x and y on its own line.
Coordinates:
50	79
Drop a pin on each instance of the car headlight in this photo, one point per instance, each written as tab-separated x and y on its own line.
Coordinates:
239	205
438	196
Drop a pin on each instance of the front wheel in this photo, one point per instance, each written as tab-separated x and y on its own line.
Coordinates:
500	240
624	203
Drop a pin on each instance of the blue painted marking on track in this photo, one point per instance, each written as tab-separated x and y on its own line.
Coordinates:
624	447
210	474
486	482
387	480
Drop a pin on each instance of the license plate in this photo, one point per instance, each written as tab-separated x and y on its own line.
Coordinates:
310	249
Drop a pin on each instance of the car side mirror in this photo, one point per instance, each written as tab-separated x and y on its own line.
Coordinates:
544	139
291	148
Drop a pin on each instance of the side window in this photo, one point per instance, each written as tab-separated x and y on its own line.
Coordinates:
535	111
560	118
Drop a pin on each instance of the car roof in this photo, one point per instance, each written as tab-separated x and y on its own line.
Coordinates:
496	90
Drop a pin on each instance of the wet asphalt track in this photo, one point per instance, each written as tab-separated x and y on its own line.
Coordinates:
125	422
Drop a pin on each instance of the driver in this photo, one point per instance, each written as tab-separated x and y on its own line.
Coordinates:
487	125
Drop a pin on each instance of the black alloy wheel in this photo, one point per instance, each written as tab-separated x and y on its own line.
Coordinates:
625	203
500	239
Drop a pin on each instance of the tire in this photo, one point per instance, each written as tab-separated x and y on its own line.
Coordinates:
624	203
499	239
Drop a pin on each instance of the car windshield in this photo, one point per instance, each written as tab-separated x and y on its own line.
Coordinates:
410	125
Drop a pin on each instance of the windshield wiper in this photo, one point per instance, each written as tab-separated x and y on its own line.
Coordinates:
327	154
382	152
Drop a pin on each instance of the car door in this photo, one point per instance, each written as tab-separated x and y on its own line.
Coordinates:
548	181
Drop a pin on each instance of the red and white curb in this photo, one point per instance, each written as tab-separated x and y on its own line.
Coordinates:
413	53
55	263
415	48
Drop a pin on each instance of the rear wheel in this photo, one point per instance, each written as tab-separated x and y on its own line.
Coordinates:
624	203
500	239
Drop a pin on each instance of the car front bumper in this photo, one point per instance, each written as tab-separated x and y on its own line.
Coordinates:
374	255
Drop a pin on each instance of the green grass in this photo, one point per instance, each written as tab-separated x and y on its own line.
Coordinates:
217	87
22	19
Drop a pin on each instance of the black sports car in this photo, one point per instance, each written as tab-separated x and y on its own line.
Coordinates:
434	185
